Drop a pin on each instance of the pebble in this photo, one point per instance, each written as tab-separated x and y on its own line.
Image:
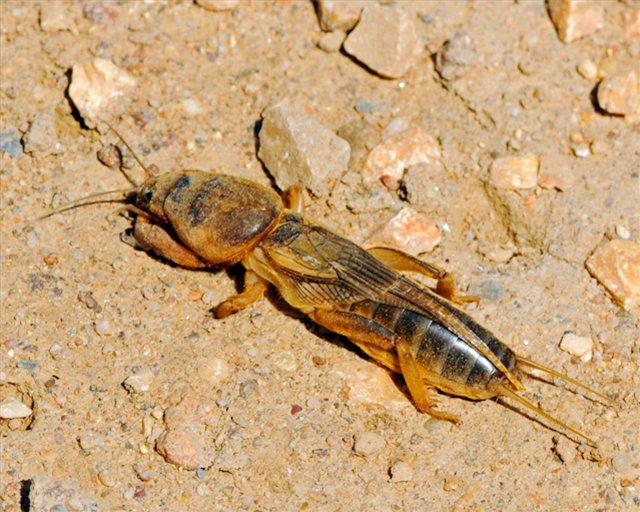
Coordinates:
297	149
616	266
214	372
574	19
218	5
331	42
588	69
456	56
42	136
623	232
103	328
54	17
452	483
626	464
339	14
96	85
400	472
367	443
369	384
408	231
385	40
90	441
579	346
619	93
12	408
10	142
514	172
362	137
109	155
566	449
389	159
139	382
600	147
188	440
106	479
286	361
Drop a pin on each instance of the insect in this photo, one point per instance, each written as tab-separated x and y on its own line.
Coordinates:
201	220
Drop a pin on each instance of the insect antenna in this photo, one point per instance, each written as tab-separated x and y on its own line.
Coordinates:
505	391
89	200
532	364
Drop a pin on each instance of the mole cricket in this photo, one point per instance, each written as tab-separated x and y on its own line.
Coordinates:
201	220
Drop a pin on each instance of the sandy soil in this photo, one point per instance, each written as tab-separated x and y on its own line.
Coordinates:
82	312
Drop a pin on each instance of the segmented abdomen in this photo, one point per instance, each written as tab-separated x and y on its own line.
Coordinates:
449	362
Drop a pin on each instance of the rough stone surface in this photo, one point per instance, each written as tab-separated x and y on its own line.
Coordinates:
10	142
339	14
574	19
46	493
297	149
98	85
619	93
392	157
616	265
400	472
456	56
218	5
190	427
367	443
514	172
11	408
41	132
385	40
579	346
409	231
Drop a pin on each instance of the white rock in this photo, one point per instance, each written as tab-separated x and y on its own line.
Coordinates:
513	172
96	85
579	346
11	408
139	382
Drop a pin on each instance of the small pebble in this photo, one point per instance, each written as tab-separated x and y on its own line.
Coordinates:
367	443
97	85
385	40
579	346
514	172
331	42
392	157
12	408
297	149
488	289
42	136
10	142
574	19
143	473
456	56
366	107
139	382
103	328
185	448
451	483
619	93
408	231
89	441
218	5
600	147
286	361
616	265
623	232
400	472
588	69
106	479
339	14
566	449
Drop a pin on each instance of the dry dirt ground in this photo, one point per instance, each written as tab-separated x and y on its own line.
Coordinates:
82	311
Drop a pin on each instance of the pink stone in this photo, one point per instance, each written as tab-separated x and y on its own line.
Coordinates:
574	19
514	172
408	231
399	152
616	265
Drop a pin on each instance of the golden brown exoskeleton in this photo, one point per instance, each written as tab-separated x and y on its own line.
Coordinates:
201	220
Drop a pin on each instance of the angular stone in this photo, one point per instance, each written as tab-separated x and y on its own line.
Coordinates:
616	265
385	40
97	85
574	19
389	159
218	5
298	150
339	14
139	382
331	41
619	93
12	408
42	136
408	231
579	346
514	172
367	443
456	56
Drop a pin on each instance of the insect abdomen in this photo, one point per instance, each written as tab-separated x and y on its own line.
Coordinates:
449	361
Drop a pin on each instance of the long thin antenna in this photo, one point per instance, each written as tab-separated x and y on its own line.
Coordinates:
86	201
